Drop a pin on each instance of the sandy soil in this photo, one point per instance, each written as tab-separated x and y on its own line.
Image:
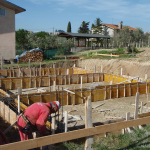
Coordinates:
138	66
118	109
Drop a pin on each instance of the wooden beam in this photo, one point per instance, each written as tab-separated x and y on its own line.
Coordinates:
62	137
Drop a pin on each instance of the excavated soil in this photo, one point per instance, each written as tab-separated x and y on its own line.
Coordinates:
111	108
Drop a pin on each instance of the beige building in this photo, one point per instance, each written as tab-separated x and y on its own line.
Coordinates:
7	28
109	29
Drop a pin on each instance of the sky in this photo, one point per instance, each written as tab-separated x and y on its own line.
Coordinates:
46	15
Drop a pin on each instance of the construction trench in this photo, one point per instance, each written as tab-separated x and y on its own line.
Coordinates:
65	85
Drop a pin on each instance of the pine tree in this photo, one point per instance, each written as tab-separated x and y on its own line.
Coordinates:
69	27
84	27
97	26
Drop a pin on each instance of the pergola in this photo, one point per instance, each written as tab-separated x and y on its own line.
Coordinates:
85	36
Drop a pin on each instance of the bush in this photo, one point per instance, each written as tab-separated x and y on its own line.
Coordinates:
129	49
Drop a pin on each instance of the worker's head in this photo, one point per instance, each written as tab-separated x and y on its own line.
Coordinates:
55	106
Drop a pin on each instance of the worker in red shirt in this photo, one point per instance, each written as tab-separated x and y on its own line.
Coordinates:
35	118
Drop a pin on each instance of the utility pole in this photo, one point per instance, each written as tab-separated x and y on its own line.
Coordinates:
53	30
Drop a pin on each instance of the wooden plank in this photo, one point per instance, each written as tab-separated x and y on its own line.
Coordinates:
62	137
88	122
136	105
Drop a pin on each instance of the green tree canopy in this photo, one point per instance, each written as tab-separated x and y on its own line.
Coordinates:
138	34
84	28
69	27
41	34
21	38
97	26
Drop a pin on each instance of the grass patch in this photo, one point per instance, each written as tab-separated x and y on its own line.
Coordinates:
137	140
33	64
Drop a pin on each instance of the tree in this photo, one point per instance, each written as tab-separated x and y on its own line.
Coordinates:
138	34
41	34
84	27
21	38
64	46
97	26
69	27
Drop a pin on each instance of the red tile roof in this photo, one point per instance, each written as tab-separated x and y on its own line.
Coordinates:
116	26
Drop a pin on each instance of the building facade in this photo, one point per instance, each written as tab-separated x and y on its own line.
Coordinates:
7	28
109	29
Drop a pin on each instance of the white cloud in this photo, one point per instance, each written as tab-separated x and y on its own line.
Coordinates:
61	2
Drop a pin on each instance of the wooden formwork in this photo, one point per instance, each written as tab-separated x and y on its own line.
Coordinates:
45	81
118	79
42	72
71	135
35	72
97	94
7	114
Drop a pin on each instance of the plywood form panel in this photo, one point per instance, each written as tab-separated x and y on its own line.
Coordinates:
133	89
142	88
3	110
111	78
16	83
13	117
95	95
106	77
78	99
113	92
119	79
7	113
6	84
121	91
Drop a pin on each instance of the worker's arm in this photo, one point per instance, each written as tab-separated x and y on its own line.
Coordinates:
40	123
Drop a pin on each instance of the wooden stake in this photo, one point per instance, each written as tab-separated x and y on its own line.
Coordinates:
136	105
66	121
124	90
129	89
88	122
141	107
117	92
128	118
53	125
121	71
74	96
19	93
67	99
110	92
81	89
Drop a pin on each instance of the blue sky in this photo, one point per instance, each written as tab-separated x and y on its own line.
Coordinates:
43	15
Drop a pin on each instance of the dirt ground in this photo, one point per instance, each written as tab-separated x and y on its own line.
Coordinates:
138	66
134	66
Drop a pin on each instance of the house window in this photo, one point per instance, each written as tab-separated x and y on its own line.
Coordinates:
2	12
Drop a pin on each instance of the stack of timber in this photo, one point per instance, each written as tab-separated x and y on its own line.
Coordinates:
34	56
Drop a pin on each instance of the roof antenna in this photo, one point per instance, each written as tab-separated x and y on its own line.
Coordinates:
112	20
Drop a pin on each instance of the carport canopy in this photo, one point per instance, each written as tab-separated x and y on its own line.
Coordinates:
83	36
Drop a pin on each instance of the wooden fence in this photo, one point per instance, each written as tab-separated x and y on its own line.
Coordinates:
67	136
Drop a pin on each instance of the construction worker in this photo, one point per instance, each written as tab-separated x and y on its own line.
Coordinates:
34	118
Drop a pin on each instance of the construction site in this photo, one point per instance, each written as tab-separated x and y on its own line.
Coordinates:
98	97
